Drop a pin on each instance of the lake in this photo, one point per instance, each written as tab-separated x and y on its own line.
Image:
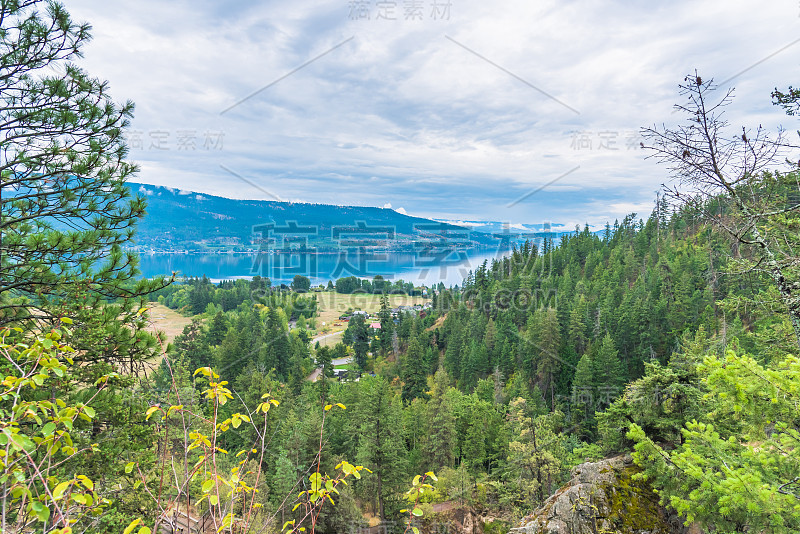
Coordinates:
421	268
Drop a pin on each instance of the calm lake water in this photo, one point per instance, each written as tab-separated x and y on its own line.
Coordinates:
449	267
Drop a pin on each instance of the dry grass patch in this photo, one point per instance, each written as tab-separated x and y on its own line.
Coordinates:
166	320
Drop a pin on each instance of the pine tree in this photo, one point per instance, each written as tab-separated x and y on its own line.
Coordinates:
439	442
387	325
545	341
66	212
277	341
359	335
577	324
583	395
414	376
535	453
325	364
217	329
380	445
607	372
452	356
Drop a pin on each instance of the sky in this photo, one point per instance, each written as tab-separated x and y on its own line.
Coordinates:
515	111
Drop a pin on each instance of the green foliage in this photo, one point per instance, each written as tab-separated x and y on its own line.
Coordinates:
536	455
661	402
41	489
66	212
741	476
414	377
357	335
301	283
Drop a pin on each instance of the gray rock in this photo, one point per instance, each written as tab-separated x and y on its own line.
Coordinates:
602	498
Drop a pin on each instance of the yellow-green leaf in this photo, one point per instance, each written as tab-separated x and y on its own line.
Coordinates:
132	526
86	481
58	491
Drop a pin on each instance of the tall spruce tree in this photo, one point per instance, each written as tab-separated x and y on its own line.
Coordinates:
380	446
387	325
607	373
414	375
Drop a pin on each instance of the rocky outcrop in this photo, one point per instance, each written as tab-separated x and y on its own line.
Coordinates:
602	498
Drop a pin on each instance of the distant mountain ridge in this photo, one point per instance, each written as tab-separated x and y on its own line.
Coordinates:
187	220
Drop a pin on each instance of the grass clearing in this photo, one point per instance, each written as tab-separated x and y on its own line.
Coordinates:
166	320
331	305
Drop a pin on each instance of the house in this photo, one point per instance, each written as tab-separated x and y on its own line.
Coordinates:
375	326
341	374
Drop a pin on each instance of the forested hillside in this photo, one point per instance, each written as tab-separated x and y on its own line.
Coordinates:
513	379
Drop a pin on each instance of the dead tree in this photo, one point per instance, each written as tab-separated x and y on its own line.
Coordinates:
732	180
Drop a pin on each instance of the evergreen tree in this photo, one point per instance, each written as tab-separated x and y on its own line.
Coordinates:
217	329
583	396
607	373
65	210
536	454
358	333
325	364
414	376
277	340
387	325
439	442
380	446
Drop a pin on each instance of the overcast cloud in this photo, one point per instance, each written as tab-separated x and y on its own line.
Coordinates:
447	111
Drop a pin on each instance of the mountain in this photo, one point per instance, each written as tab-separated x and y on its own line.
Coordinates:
187	220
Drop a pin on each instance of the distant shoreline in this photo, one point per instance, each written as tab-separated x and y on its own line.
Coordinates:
325	251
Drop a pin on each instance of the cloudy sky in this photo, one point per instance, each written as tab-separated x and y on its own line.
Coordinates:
451	109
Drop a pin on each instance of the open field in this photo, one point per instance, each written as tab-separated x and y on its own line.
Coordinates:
166	320
329	340
332	305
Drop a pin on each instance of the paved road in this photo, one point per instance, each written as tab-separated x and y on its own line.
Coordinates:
313	377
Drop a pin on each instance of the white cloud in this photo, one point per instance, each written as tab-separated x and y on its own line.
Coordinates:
387	206
401	211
